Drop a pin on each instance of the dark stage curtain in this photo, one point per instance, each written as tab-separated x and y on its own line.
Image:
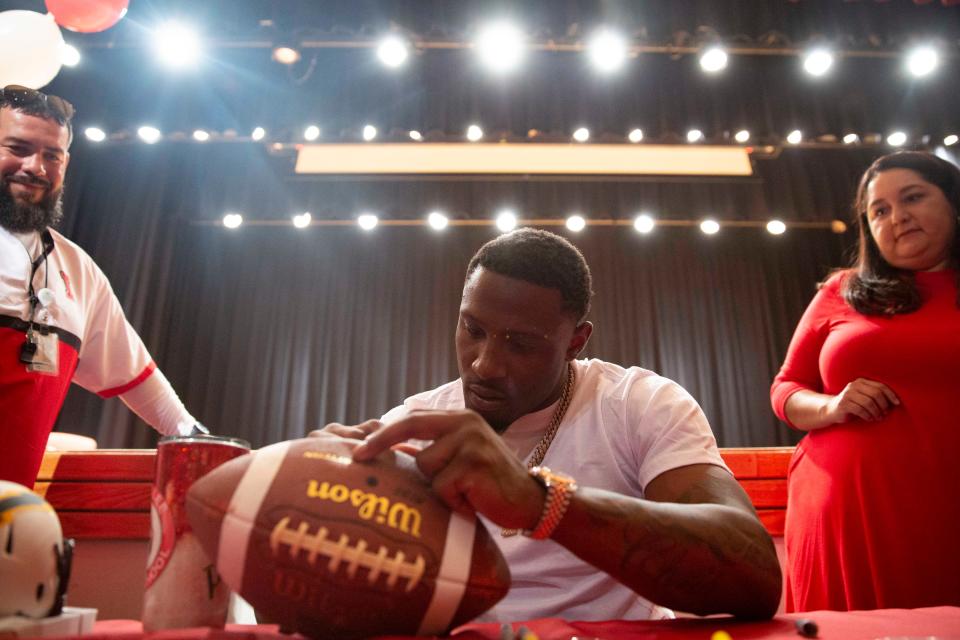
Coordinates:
267	332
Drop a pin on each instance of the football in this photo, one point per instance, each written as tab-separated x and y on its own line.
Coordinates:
326	546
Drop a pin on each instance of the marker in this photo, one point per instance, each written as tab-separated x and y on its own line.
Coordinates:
807	628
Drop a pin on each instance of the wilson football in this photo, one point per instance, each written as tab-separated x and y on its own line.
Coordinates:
330	547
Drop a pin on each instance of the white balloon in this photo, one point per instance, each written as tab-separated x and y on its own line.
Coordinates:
31	48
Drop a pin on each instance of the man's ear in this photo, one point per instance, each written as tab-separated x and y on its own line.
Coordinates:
579	340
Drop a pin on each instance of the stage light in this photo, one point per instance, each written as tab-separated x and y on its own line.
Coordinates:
367	221
644	223
694	135
285	54
95	134
635	136
742	136
851	138
506	221
474	133
713	60
950	140
710	226
177	45
776	227
302	221
922	61
200	135
817	62
500	46
258	133
70	55
607	50
415	135
838	226
897	139
232	220
369	132
149	134
437	220
576	223
311	133
581	135
393	51
795	136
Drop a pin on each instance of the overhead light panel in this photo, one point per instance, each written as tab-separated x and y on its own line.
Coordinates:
369	132
694	135
795	137
201	136
742	136
474	133
258	133
581	135
232	220
311	133
635	136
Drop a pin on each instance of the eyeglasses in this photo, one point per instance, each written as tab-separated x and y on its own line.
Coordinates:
22	96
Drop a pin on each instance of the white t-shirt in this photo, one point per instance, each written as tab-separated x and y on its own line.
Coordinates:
624	427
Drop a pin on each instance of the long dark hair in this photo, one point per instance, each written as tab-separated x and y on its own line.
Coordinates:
873	286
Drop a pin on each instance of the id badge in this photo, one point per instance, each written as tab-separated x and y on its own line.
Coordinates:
45	358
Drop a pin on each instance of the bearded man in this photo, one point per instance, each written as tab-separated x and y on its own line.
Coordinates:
60	321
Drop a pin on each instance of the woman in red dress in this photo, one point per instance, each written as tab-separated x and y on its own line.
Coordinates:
873	375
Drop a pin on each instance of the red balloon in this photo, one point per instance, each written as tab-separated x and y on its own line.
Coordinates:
87	16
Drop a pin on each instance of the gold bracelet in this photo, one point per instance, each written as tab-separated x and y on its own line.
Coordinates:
560	489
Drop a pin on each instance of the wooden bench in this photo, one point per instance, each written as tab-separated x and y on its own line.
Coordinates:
105	494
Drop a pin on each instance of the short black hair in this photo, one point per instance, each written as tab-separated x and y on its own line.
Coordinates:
41	105
541	258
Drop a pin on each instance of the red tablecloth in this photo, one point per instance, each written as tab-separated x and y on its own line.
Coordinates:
935	623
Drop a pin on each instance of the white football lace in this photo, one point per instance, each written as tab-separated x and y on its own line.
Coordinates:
341	550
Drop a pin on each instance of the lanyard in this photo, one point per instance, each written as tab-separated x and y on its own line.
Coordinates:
47	241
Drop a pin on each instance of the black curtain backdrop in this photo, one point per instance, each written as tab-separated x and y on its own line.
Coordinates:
267	332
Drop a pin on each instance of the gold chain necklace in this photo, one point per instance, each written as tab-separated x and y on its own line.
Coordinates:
541	450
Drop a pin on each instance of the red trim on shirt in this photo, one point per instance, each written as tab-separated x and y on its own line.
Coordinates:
109	393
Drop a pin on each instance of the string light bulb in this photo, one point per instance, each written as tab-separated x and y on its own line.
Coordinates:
644	223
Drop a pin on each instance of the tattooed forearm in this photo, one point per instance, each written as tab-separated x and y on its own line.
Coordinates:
700	558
